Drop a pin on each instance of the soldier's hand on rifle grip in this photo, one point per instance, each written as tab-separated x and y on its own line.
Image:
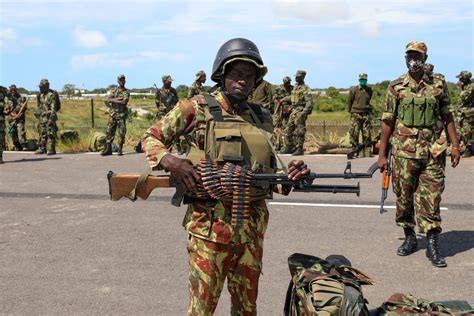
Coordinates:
182	171
382	163
297	169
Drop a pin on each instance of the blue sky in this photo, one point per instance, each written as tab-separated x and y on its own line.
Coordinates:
88	43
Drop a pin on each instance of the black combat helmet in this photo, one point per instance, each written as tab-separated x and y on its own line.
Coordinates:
232	50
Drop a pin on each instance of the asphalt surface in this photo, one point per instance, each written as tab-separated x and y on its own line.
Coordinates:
67	249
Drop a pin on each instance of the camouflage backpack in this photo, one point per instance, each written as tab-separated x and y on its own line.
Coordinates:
407	304
97	142
324	287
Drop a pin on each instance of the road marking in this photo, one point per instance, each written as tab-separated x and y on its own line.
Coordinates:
338	205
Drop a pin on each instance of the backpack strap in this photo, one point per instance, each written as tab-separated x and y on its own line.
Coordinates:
214	108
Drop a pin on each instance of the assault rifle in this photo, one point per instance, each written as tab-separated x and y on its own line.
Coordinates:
386	178
121	185
355	151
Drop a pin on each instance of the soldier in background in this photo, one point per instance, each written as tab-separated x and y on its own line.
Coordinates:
415	117
165	98
196	87
3	98
262	95
282	111
48	105
359	107
17	106
302	106
465	112
117	103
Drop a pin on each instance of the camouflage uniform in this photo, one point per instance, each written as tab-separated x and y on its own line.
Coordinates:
47	117
197	88
18	126
3	96
302	106
262	95
118	116
282	113
165	99
217	249
465	112
360	109
418	151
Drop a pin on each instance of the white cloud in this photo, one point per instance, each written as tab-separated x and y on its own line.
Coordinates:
123	60
300	46
88	39
370	28
7	37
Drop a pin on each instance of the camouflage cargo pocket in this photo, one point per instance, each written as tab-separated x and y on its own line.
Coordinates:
404	139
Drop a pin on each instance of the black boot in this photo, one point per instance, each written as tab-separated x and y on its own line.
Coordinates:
52	149
107	150
432	249
41	150
298	152
287	150
119	151
410	244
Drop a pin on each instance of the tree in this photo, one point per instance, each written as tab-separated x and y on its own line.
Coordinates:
69	89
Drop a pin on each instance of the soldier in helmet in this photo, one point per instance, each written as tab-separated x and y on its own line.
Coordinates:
196	87
3	99
166	97
16	118
282	106
302	106
117	103
48	105
359	107
416	114
465	112
226	128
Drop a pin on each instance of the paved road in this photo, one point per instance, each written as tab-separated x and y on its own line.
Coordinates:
67	249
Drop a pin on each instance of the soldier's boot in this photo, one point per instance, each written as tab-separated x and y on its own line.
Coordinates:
119	151
40	151
432	249
1	160
286	150
24	147
107	150
17	147
298	152
52	149
410	244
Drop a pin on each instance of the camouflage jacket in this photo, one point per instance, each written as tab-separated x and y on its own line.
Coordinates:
166	98
47	104
262	95
3	96
413	142
466	98
15	102
121	93
206	219
195	89
359	99
301	97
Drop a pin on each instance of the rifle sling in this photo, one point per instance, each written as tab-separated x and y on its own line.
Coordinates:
132	195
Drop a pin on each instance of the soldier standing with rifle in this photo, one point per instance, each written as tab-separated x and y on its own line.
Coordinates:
359	107
118	111
225	128
3	98
415	118
282	107
196	87
165	98
465	112
48	105
17	107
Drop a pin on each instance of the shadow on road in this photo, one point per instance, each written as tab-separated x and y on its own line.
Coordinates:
30	159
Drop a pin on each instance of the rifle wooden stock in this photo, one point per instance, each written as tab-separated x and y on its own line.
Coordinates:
120	185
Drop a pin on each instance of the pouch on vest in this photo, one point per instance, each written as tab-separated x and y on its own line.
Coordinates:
228	142
405	111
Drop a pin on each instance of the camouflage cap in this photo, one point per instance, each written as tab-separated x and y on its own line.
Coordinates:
300	73
120	77
417	47
166	77
363	76
464	74
43	82
286	79
200	73
12	87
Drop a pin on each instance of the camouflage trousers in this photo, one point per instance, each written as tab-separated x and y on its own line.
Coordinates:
296	128
2	137
118	123
47	130
279	137
161	112
360	124
210	264
418	185
18	133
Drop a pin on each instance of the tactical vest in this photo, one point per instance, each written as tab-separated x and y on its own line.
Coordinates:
297	95
240	139
419	112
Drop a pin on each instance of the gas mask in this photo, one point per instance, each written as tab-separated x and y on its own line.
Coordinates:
415	65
